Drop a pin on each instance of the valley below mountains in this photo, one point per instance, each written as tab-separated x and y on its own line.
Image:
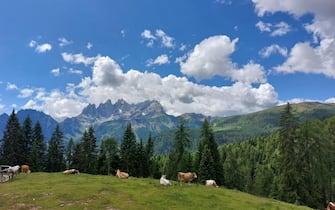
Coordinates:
148	117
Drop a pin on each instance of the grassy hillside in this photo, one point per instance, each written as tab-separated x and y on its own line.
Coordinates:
241	127
83	191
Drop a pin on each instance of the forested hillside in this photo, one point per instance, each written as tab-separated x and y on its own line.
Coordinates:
262	123
294	164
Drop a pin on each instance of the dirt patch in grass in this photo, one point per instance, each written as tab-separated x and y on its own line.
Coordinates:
24	206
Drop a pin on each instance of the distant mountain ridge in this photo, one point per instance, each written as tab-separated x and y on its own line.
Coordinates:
110	120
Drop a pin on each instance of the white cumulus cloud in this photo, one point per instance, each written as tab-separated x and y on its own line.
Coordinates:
78	58
211	57
25	93
318	58
269	50
55	72
165	40
64	42
40	48
160	60
278	29
43	48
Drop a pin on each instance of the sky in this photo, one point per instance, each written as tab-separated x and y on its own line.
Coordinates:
214	57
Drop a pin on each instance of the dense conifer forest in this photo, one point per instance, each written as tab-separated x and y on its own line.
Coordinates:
293	164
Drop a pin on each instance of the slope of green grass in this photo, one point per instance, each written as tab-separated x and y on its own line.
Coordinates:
83	191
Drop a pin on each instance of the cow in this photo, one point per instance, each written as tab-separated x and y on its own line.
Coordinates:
121	174
163	181
12	170
330	206
186	177
71	171
211	182
25	169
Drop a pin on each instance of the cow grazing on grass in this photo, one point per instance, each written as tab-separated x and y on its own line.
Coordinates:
211	182
25	169
330	206
163	181
121	174
186	177
71	171
12	170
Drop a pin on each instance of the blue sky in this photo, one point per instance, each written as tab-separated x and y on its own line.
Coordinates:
215	57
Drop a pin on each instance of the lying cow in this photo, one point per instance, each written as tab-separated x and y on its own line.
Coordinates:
25	169
330	206
163	181
71	171
186	177
211	182
121	174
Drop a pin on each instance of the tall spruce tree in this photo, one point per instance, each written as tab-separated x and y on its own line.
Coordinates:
207	140
13	146
27	138
109	149
128	151
37	157
69	152
182	143
78	157
90	152
149	152
206	168
55	161
141	161
287	177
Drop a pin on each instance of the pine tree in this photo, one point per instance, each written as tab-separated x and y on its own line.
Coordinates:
13	146
55	161
128	151
69	152
182	143
27	138
206	167
149	152
141	160
287	177
90	153
78	157
109	150
207	140
37	158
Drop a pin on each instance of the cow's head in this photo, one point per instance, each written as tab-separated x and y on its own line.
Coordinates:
194	175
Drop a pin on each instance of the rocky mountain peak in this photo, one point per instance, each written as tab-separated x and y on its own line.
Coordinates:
90	110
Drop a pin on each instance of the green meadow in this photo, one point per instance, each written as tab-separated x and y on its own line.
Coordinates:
84	191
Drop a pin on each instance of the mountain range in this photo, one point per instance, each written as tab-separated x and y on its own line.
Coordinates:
149	117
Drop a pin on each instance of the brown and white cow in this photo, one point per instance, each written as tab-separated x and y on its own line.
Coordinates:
25	169
186	177
71	171
330	206
121	174
211	182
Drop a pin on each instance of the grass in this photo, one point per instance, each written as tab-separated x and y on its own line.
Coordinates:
83	191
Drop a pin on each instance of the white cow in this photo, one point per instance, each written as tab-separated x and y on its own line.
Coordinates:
211	182
13	170
163	181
